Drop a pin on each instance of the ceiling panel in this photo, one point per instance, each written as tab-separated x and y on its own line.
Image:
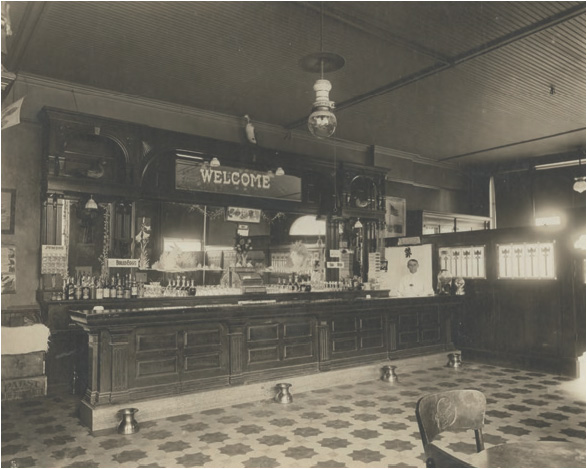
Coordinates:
242	57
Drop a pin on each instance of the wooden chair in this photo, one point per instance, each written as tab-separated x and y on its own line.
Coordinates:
458	410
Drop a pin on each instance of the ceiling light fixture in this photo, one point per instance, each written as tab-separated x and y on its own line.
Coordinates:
91	204
579	184
322	121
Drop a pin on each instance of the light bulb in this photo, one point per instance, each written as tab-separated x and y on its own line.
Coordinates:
279	171
322	121
214	162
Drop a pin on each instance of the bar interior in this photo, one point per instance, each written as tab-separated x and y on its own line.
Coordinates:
167	258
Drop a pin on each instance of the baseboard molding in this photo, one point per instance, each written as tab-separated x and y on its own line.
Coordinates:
104	418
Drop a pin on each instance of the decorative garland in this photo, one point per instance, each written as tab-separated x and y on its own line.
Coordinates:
211	214
106	240
276	217
143	239
214	214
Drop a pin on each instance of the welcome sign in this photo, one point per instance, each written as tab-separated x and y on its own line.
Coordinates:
196	176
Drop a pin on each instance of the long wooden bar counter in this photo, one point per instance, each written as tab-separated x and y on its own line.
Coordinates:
148	350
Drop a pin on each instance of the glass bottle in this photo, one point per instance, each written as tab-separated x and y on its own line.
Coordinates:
192	288
127	287
85	288
78	288
99	289
106	288
119	288
134	288
112	287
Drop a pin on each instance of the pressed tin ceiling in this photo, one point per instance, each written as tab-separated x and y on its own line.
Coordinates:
466	82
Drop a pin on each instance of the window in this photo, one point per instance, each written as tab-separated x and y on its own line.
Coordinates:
463	261
526	260
547	221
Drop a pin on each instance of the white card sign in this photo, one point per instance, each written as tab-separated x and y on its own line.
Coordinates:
124	263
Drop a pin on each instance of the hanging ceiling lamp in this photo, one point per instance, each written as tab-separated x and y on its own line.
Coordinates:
91	204
322	121
579	184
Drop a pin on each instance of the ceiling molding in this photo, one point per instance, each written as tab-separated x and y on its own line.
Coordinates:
322	147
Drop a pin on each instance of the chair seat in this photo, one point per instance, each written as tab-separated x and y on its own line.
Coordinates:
443	457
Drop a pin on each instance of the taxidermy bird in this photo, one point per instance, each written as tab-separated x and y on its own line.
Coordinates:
250	130
95	172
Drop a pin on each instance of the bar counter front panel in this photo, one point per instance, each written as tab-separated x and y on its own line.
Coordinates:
151	351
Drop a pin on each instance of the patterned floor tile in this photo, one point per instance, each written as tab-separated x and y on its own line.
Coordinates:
367	424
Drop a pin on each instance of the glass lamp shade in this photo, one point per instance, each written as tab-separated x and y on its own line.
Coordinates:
91	204
322	122
579	185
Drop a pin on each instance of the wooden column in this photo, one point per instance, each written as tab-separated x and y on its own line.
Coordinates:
236	337
91	394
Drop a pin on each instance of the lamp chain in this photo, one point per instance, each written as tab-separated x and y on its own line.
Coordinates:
321	39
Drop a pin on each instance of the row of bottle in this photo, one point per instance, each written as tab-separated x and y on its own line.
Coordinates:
86	287
180	286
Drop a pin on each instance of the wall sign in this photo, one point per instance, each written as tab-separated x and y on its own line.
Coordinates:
124	263
54	259
195	176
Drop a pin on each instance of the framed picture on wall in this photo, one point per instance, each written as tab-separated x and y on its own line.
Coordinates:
248	215
8	269
8	204
395	217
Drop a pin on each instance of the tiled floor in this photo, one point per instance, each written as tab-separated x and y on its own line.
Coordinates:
367	424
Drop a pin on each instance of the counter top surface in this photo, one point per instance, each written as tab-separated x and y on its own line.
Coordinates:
227	307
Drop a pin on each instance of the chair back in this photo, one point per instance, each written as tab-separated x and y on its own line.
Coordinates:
457	410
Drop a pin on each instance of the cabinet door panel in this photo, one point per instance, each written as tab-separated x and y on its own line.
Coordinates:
151	368
202	362
263	355
156	342
340	325
263	332
298	351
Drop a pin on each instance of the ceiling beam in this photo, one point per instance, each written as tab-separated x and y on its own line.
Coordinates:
476	52
22	37
375	30
513	144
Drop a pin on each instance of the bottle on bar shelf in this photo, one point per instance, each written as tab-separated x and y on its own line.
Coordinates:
127	287
134	288
105	288
192	288
85	288
99	289
112	287
119	288
78	288
93	288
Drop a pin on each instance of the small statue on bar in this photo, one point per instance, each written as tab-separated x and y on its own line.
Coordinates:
459	286
444	281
